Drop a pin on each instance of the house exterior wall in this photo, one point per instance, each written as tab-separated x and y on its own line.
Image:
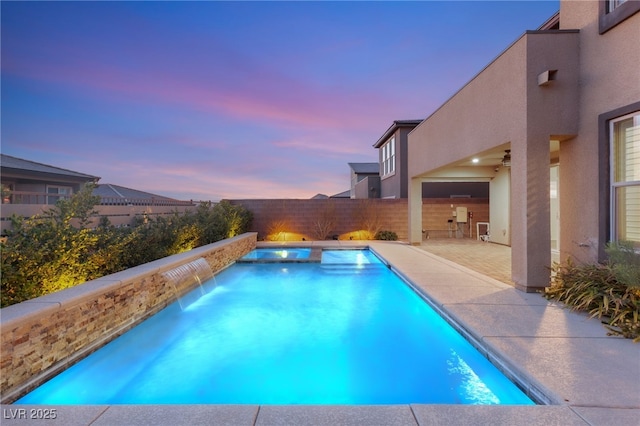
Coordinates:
504	106
395	186
369	187
356	179
609	78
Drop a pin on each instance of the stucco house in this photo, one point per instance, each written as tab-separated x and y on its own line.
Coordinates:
553	125
29	187
365	180
392	153
28	182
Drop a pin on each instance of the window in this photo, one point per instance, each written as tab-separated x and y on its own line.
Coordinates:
624	133
613	4
388	164
55	193
613	12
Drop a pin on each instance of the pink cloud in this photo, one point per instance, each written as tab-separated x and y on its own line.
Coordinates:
262	94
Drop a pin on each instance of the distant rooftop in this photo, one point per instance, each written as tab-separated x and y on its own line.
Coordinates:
343	194
395	126
108	190
15	163
365	168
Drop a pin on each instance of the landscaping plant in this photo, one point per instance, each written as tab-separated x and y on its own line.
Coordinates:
609	291
59	249
386	235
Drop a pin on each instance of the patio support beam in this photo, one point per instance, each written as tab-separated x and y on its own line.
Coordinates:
415	211
530	214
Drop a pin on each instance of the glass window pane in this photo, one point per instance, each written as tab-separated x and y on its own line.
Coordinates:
626	149
627	206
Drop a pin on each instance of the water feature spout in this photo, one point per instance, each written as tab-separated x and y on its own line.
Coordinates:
183	278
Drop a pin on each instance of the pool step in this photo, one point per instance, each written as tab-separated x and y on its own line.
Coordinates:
350	268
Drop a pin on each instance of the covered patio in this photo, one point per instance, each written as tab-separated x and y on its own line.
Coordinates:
492	260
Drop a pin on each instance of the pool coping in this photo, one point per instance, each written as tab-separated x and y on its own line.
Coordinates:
566	355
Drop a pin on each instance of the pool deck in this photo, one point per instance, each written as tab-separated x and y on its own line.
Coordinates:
565	357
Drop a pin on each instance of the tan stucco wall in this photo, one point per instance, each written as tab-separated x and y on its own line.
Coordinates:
609	79
42	336
487	112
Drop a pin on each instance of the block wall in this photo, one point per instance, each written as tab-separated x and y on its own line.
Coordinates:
319	219
43	336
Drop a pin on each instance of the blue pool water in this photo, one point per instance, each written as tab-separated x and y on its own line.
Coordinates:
279	253
344	331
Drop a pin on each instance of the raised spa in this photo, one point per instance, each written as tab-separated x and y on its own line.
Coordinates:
278	253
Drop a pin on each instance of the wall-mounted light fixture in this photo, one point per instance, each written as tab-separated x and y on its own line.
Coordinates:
547	77
506	160
475	160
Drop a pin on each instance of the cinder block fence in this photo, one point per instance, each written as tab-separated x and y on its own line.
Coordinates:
319	219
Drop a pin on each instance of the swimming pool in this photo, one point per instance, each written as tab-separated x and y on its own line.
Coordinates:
343	331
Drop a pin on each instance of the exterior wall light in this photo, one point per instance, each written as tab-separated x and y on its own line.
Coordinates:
506	160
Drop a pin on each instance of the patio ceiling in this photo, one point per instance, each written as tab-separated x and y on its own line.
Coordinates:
487	164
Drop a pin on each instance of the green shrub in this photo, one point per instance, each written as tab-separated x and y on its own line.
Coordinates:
54	250
625	262
602	290
57	250
386	235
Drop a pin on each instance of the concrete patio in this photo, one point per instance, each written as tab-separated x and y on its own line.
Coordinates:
492	260
562	357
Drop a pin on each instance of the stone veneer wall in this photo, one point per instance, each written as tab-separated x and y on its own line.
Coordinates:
300	217
43	336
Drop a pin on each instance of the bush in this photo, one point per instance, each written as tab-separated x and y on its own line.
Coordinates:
56	250
603	290
386	235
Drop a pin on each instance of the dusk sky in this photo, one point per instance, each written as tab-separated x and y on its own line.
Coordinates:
211	100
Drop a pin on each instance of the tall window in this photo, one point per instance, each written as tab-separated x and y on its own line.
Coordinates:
625	178
54	193
389	157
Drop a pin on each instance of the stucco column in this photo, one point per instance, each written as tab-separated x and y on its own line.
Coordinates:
415	211
530	214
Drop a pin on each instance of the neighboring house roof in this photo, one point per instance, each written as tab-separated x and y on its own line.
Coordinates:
345	194
392	129
15	164
108	190
319	197
552	23
365	168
